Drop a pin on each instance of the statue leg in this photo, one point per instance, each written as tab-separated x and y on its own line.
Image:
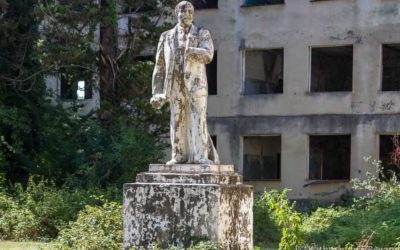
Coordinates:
198	132
178	128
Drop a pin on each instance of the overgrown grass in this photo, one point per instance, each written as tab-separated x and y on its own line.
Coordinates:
372	220
42	210
9	245
379	224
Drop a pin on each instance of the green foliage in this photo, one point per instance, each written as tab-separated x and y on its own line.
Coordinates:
369	221
97	227
38	138
16	223
274	206
266	231
112	156
40	211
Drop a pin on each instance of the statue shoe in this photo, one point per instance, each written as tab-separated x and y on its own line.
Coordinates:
175	161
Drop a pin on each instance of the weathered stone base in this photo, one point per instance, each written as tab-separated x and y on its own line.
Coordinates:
176	208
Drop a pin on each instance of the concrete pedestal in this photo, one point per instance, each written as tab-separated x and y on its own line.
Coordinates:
176	205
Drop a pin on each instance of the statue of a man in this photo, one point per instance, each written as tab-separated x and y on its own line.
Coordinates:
179	78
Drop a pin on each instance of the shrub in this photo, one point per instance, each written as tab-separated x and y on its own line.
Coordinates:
97	227
113	155
42	210
16	222
266	231
53	207
274	206
370	220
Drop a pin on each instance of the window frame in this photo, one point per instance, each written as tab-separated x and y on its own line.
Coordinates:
243	56
73	96
280	157
309	88
310	181
204	8
382	68
247	5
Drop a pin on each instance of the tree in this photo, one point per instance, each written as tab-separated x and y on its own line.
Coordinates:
85	35
79	39
21	88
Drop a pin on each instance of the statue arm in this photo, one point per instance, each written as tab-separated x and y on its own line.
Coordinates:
205	51
159	95
159	69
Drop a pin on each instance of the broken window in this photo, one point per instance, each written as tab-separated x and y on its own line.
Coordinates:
391	67
212	75
141	6
332	69
73	86
263	72
329	157
387	154
205	4
262	157
262	2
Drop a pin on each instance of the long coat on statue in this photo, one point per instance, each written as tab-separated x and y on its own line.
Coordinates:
181	78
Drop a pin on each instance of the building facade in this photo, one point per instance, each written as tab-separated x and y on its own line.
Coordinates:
303	90
79	94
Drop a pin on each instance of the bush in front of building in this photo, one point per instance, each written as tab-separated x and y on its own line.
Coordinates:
371	220
97	227
41	210
276	220
16	223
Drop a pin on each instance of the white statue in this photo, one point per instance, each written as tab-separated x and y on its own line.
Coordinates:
180	78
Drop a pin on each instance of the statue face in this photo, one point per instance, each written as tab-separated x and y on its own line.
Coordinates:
185	15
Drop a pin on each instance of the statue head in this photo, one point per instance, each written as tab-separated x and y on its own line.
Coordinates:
184	12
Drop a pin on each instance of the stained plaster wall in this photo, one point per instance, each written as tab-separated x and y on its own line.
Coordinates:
296	26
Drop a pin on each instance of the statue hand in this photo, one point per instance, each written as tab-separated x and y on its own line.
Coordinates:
158	100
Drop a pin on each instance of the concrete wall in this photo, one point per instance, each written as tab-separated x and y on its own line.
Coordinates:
296	26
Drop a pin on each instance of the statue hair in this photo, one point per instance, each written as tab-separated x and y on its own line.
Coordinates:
181	5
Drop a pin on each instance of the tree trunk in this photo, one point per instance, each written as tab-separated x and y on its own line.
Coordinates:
108	66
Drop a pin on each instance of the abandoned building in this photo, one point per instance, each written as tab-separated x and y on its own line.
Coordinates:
74	92
301	90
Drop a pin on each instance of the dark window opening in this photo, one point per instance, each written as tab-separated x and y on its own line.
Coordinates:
332	69
263	72
211	70
387	147
329	157
145	58
214	140
391	67
205	4
75	85
262	2
262	157
68	90
141	6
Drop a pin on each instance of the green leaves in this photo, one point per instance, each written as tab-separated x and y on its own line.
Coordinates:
97	227
277	209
